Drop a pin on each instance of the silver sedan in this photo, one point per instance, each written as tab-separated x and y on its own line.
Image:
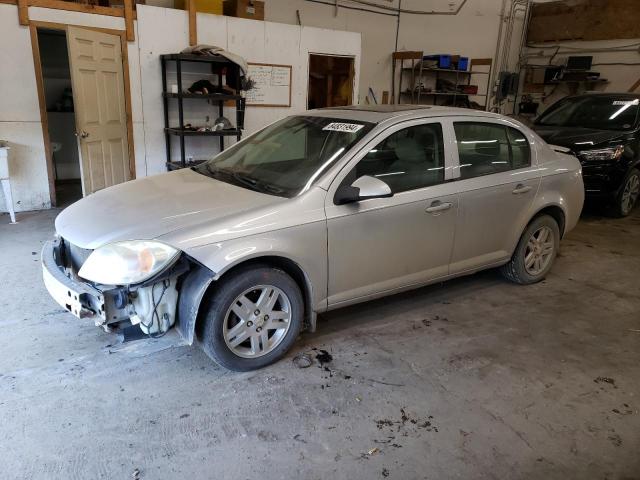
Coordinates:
317	211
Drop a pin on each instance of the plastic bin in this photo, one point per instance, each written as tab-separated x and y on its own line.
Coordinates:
444	60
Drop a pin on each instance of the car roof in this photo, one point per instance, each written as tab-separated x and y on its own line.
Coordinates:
380	113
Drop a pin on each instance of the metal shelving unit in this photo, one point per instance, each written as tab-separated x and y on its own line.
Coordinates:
415	92
218	64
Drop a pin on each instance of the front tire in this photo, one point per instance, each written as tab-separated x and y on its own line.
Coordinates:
253	318
535	253
628	195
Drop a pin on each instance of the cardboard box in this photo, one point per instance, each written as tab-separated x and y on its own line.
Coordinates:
252	9
202	6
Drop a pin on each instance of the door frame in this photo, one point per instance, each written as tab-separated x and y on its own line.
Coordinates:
37	63
353	72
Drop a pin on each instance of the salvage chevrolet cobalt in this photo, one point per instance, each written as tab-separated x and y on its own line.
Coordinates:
314	212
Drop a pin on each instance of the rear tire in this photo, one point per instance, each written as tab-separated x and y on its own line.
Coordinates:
535	253
628	196
253	318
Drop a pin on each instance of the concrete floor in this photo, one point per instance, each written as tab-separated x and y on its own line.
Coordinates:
475	378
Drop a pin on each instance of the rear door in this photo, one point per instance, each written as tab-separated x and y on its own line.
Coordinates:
497	182
380	245
97	78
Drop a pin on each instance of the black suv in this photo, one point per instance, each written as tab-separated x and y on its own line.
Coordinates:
603	131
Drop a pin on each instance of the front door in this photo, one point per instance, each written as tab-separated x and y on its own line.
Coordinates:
95	59
384	244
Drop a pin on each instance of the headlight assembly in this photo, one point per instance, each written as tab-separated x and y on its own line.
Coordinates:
125	263
602	154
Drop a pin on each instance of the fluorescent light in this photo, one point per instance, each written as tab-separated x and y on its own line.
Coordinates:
321	169
623	108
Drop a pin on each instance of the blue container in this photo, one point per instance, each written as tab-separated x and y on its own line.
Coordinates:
444	61
463	63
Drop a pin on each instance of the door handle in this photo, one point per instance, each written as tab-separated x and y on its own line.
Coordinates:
82	134
438	207
520	188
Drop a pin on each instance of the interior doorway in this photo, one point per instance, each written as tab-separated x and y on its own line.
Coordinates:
85	108
330	81
58	96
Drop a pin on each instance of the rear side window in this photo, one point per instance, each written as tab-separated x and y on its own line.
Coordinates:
487	148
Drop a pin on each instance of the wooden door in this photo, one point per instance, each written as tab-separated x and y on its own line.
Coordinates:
95	60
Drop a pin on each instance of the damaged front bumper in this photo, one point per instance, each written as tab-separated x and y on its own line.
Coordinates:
80	298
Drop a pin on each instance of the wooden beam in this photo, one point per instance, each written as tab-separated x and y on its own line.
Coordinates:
480	61
78	7
42	102
127	104
408	55
193	28
635	86
23	12
128	20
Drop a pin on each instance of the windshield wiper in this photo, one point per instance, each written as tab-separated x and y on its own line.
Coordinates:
256	185
248	181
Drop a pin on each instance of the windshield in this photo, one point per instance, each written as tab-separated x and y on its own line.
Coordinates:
599	112
287	157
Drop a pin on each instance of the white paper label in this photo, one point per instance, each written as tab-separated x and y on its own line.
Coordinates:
343	127
626	102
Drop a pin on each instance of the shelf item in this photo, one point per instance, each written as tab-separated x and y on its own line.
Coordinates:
251	9
192	57
178	165
450	70
208	96
213	7
218	66
187	132
450	94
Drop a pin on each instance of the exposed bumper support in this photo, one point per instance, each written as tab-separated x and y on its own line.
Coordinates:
81	299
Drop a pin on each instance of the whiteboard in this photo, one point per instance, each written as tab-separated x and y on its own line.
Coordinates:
272	85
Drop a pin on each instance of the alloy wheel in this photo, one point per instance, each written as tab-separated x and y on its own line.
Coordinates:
539	251
257	321
630	194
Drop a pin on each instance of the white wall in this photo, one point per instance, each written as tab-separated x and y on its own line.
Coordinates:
158	30
473	32
20	122
20	116
163	30
622	75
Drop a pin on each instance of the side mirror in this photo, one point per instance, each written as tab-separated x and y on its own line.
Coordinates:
363	188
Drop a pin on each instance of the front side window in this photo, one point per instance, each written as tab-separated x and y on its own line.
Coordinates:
287	157
487	148
408	159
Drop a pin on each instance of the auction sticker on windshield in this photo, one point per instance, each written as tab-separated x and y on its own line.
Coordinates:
343	127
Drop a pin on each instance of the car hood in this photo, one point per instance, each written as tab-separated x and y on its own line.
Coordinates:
577	138
154	206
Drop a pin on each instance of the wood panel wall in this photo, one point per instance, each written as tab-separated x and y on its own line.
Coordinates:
584	20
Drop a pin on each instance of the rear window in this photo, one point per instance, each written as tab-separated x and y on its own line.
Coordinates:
599	112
